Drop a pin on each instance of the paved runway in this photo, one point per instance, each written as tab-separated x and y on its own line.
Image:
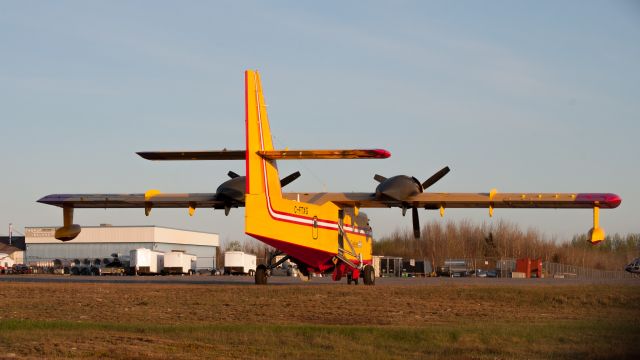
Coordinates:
283	280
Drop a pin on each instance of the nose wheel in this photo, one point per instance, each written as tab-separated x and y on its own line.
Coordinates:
351	279
261	275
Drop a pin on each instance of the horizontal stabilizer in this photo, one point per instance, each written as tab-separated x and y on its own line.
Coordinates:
324	154
269	155
194	155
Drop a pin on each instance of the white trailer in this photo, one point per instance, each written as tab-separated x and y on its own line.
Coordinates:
237	262
177	262
146	261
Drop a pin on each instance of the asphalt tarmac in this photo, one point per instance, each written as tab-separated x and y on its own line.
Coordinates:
285	280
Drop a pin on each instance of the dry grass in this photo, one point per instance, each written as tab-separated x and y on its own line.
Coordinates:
155	321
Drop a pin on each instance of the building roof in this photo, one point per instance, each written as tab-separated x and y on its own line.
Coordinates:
16	241
124	234
8	249
102	226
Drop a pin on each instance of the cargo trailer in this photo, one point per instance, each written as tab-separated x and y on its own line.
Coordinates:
239	263
178	262
144	261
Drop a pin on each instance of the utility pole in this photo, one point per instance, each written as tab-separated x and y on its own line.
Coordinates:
10	232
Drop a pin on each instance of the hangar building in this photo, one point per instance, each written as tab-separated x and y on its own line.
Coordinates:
97	242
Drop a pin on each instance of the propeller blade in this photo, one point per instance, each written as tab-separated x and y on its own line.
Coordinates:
435	177
379	178
232	175
289	179
416	222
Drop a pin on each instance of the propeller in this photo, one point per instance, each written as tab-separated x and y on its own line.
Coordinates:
435	177
289	179
233	190
379	178
402	187
416	222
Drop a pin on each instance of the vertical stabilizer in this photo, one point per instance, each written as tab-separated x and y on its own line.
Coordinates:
262	174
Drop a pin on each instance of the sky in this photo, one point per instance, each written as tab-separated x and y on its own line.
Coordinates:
537	96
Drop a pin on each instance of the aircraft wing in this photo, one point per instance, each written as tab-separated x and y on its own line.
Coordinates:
150	199
429	200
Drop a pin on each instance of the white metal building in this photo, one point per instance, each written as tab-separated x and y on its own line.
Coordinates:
97	242
10	255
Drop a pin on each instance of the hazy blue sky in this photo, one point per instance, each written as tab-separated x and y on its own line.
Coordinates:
520	96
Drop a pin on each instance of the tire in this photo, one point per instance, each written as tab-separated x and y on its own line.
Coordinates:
261	275
369	275
349	279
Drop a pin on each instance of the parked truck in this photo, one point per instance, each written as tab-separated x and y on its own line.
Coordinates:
145	261
455	268
117	265
239	263
177	262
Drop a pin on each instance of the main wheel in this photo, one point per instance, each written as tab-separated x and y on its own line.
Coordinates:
369	275
349	279
261	275
303	274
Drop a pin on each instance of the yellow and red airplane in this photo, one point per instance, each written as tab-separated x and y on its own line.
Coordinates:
320	232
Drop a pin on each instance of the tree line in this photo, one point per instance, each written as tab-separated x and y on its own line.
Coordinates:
499	240
502	240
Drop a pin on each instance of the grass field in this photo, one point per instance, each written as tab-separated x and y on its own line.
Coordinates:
169	321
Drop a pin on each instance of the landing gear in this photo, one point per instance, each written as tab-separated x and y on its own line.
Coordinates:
303	273
351	279
261	275
369	275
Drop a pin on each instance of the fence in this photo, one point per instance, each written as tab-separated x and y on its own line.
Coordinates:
570	271
551	269
505	266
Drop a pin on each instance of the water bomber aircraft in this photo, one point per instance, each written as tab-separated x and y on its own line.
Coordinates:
321	231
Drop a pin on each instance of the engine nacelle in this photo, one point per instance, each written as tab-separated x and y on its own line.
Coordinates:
398	187
68	232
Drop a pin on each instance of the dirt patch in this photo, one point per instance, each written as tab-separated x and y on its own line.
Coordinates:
100	320
331	305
